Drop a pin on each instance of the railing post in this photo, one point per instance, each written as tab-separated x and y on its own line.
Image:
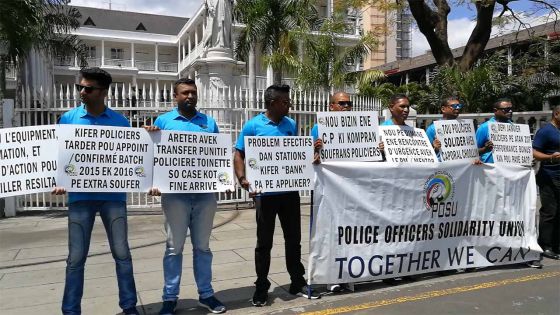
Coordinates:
7	120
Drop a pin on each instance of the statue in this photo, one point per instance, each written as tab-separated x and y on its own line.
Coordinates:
218	23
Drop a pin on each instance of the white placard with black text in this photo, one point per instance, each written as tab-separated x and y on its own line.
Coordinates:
104	159
511	143
458	140
405	144
27	160
192	162
279	163
349	136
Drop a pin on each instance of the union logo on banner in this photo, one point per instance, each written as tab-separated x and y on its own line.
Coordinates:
439	193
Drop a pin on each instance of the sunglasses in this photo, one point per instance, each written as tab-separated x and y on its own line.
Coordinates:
506	109
87	89
455	106
345	103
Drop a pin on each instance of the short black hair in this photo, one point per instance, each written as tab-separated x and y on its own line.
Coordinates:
449	98
186	81
272	91
396	97
500	101
102	77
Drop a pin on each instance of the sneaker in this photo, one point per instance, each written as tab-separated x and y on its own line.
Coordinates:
306	292
334	288
212	304
168	308
131	311
260	298
535	264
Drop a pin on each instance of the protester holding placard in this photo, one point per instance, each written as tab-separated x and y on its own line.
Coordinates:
184	212
503	111
399	106
546	149
450	109
82	207
340	102
274	122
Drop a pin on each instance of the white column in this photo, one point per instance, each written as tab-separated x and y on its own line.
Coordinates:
427	76
157	58
102	53
76	60
196	36
406	78
189	44
329	8
178	54
184	52
132	54
269	76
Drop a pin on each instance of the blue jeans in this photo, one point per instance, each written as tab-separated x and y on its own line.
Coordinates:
81	217
194	212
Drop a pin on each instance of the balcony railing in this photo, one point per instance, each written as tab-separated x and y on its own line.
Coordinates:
167	67
65	61
10	72
94	62
145	65
123	63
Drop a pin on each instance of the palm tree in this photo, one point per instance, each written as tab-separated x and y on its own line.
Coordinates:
43	25
267	26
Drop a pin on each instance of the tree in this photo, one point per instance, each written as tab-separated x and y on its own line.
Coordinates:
431	17
43	25
267	25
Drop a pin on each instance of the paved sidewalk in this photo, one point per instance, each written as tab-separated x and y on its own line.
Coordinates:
33	250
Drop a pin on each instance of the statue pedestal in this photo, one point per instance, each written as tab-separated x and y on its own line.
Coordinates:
215	78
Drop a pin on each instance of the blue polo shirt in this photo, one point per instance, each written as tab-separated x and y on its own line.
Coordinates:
80	116
547	141
431	133
260	125
173	120
315	132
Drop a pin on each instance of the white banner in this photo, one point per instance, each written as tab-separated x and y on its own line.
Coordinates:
192	162
512	143
27	160
405	144
458	140
279	163
377	220
349	136
104	159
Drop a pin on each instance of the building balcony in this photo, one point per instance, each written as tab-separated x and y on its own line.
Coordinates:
10	72
167	67
121	63
94	62
145	65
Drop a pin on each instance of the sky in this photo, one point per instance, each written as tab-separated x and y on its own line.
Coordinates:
460	24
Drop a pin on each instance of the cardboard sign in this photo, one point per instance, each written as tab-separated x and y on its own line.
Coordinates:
279	163
27	160
512	143
192	162
104	159
405	144
458	140
349	136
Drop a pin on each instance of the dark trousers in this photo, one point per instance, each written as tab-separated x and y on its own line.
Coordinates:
549	214
287	207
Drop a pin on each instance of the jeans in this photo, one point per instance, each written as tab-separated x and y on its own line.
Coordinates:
194	212
288	209
549	214
81	217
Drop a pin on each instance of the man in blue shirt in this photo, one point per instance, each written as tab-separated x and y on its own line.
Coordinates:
187	211
503	111
82	207
546	149
399	106
340	102
274	122
450	108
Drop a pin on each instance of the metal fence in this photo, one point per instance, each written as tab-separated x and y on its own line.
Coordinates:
229	106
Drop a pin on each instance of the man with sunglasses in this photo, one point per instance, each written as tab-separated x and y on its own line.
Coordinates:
82	207
340	102
503	111
450	108
285	205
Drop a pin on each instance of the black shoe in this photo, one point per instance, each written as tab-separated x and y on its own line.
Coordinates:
535	264
212	304
306	292
548	253
168	308
131	311
260	298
